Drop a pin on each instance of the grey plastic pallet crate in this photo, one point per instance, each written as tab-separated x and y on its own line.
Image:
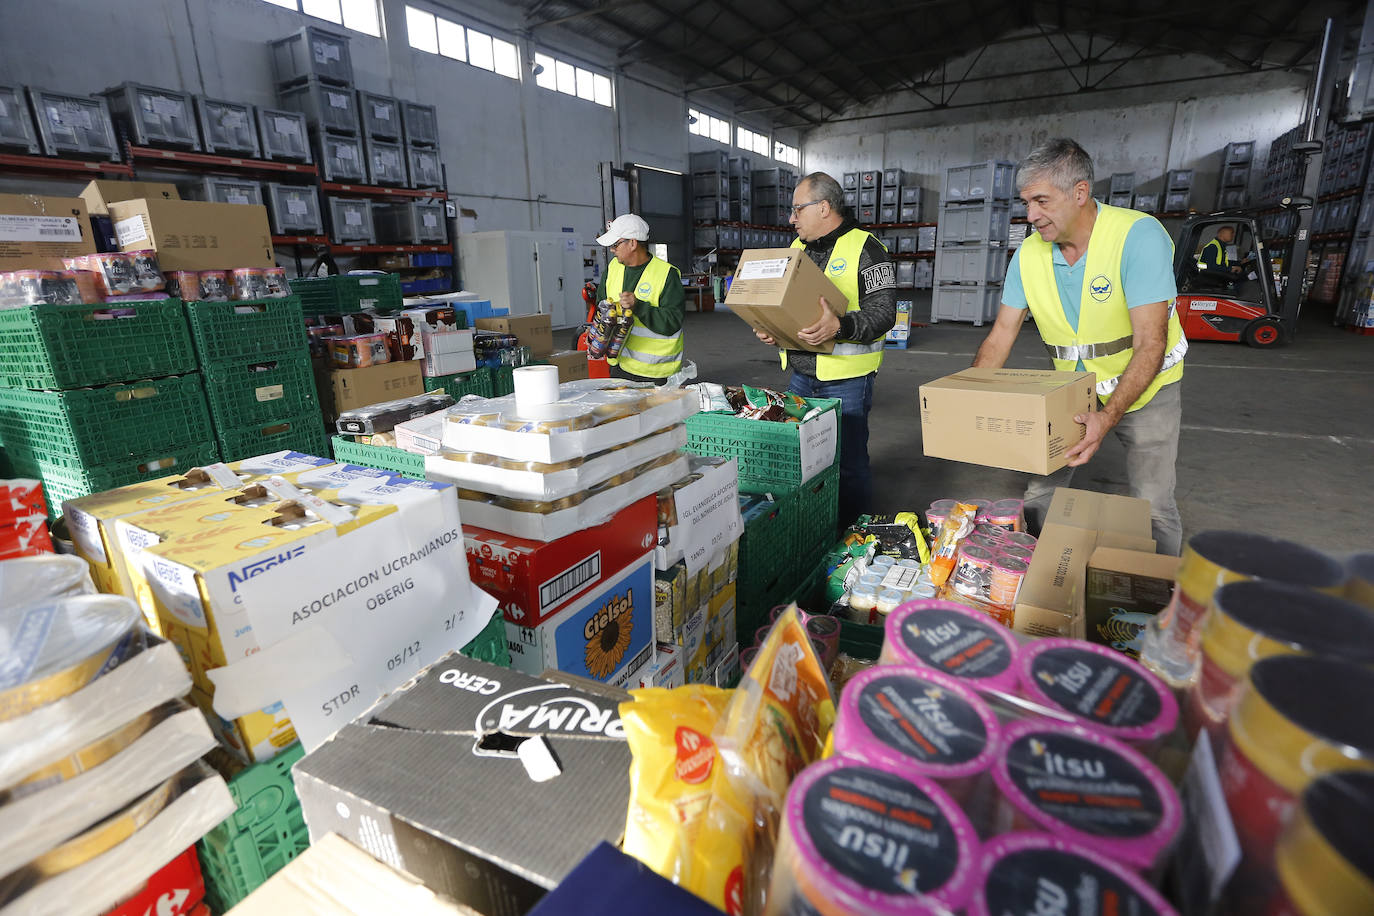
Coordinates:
1179	180
351	221
740	186
421	123
704	238
332	109
411	222
986	222
1147	203
872	178
17	132
1123	182
851	199
909	213
913	194
1235	176
906	274
341	159
293	209
906	242
154	117
774	196
284	135
1176	201
889	195
710	184
386	164
741	166
1122	199
741	212
976	304
867	215
711	208
868	197
227	128
925	238
73	125
379	115
925	275
769	178
221	190
1231	198
887	214
1239	152
851	181
970	264
426	171
312	51
895	177
770	216
714	160
981	180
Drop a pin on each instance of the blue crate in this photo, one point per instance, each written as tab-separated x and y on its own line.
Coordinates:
432	260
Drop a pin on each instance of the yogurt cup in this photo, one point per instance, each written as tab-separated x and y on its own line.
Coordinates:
919	721
1040	873
867	839
954	640
1087	788
1099	687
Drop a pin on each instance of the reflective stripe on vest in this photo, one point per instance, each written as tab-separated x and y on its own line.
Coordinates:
1104	335
646	353
849	359
1222	259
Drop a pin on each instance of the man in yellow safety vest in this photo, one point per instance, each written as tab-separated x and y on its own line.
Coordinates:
1099	282
651	288
857	263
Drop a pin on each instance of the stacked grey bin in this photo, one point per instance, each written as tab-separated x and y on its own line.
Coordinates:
1178	190
900	198
772	200
870	186
741	197
971	255
710	186
1123	188
1233	189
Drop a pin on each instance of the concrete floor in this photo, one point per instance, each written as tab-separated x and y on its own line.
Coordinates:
1279	441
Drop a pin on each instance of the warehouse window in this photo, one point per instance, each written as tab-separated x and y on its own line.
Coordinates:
561	76
748	140
705	125
358	15
435	35
789	154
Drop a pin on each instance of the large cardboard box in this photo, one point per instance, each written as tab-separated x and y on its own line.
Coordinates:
533	331
572	364
1018	419
778	291
99	194
1052	600
1125	588
437	781
373	384
194	234
36	233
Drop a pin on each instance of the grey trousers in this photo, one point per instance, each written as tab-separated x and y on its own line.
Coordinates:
1150	435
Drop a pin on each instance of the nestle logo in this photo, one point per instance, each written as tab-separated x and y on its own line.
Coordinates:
257	567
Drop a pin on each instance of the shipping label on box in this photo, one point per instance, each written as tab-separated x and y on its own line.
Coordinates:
1125	589
36	233
1018	419
193	234
778	291
606	635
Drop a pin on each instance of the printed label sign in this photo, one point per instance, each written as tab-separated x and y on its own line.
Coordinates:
818	440
708	515
769	269
17	228
130	231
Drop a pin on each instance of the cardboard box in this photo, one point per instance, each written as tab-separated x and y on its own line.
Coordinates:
778	291
572	364
194	234
355	388
1052	600
533	331
1125	588
417	785
665	669
99	194
1018	419
535	580
36	233
606	635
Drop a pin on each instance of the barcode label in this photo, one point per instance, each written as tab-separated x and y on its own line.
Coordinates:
130	231
15	227
564	584
296	207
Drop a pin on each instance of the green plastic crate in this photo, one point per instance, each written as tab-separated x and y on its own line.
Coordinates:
818	514
301	433
61	482
769	454
256	841
257	389
73	346
478	382
348	293
766	546
231	331
382	457
490	645
502	381
89	427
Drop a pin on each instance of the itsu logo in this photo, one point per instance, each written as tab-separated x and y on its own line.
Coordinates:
1071	680
1069	767
1050	899
545	709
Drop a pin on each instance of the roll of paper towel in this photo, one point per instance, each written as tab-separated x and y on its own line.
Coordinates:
535	386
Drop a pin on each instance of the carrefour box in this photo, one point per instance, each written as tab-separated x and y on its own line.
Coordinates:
534	580
605	635
666	669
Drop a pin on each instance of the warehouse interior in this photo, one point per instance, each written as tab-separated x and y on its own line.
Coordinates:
428	182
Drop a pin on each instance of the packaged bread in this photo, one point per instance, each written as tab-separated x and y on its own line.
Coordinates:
517	464
550	419
540	507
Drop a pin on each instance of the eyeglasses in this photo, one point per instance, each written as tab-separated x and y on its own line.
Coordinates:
796	211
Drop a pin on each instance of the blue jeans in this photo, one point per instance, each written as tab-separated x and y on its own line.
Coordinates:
856	400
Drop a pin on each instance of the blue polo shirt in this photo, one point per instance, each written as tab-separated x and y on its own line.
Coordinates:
1147	272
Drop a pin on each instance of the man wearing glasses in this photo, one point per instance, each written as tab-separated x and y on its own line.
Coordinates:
651	288
858	264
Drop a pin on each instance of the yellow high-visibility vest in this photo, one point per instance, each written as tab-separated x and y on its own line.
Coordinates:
850	358
1222	259
1103	340
646	353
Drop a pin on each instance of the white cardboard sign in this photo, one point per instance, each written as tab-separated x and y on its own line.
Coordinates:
818	440
708	515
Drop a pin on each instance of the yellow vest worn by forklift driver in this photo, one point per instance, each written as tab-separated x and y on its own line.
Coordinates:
850	358
645	353
1104	335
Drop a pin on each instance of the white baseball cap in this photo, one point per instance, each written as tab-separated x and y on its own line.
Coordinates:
624	226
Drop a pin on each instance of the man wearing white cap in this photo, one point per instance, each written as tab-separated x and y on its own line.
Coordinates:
651	288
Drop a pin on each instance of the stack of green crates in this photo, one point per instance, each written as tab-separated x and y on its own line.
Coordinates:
257	371
94	397
345	294
478	382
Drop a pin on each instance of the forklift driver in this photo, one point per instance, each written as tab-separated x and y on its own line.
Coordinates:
1214	265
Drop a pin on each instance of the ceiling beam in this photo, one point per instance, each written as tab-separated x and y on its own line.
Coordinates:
601	10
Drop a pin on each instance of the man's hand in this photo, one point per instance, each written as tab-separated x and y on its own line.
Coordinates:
627	300
822	330
763	336
1097	425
